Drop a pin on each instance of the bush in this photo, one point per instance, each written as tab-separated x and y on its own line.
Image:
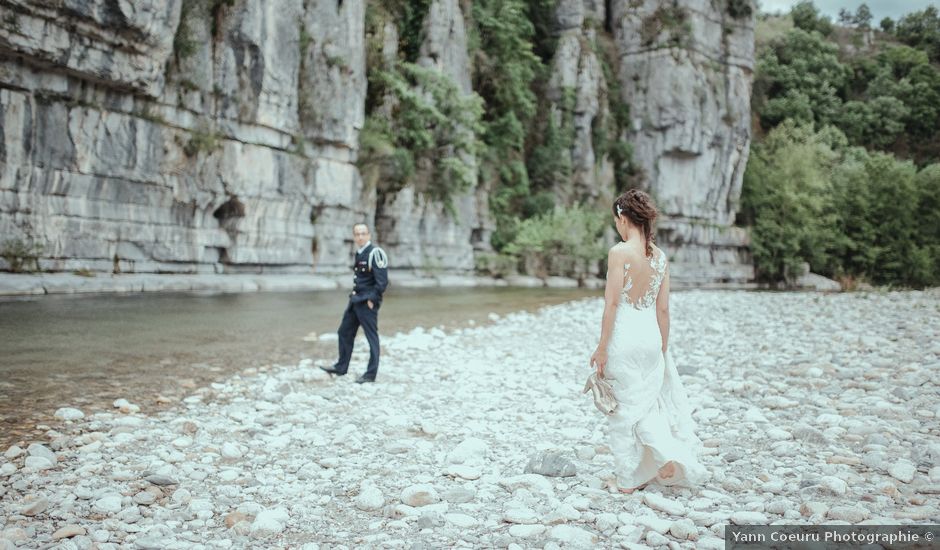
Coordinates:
431	123
496	265
564	241
21	255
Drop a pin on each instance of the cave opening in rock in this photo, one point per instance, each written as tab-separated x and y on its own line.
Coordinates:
232	208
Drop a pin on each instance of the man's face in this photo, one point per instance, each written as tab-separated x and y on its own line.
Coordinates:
361	235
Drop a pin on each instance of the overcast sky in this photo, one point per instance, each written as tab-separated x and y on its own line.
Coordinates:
879	8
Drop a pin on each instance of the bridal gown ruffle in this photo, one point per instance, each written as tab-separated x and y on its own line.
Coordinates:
652	424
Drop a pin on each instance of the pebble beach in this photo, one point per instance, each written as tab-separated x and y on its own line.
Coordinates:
812	408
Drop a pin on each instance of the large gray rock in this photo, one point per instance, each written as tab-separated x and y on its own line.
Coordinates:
550	464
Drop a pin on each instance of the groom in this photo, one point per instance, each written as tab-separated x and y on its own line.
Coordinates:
371	278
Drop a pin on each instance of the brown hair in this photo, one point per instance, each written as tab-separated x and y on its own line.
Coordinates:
638	207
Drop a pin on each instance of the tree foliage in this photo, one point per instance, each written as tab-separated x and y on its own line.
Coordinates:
889	101
921	30
806	16
851	214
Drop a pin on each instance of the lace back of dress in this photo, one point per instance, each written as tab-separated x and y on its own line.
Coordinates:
642	280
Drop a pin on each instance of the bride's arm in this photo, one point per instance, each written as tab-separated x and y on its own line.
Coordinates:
662	309
615	263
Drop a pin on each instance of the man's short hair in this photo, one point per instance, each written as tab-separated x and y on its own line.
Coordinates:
364	224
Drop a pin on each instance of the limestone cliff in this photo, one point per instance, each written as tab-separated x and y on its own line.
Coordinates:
171	135
686	68
226	135
418	232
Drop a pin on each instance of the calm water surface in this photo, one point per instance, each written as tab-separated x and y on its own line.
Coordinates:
153	349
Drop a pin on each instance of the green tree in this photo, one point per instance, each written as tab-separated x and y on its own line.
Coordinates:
785	199
887	25
800	74
863	17
921	30
505	66
874	123
928	218
806	16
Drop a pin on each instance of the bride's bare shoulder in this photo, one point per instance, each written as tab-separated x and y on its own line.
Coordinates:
622	252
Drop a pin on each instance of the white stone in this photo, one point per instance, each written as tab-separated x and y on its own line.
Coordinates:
230	451
37	463
269	522
462	521
573	536
520	515
902	470
654	523
663	504
749	518
835	485
369	498
531	482
851	514
35	449
13	452
526	531
420	495
463	471
110	504
683	529
469	450
67	413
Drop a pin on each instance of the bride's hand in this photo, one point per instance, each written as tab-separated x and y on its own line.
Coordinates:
599	358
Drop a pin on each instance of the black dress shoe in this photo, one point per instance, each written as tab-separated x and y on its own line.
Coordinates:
362	379
332	370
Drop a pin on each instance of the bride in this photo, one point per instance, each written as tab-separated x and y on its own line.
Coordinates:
651	431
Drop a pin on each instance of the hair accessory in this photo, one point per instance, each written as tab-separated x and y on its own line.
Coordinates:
619	210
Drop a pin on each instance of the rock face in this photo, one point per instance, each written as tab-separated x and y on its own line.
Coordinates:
578	80
417	232
157	136
686	71
191	136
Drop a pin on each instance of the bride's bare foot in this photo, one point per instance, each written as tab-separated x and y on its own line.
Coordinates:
630	491
667	471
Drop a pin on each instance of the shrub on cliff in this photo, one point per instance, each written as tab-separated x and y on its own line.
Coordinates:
563	241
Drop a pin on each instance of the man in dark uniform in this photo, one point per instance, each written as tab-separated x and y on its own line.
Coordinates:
371	278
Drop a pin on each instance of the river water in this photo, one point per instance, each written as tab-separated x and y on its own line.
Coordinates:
153	349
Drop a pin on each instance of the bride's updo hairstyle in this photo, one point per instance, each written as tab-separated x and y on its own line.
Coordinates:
637	206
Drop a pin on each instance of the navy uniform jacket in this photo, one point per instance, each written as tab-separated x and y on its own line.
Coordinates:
371	275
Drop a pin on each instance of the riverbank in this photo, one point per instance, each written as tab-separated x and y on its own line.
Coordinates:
17	284
20	284
812	407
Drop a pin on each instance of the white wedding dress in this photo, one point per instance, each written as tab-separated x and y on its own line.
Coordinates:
652	424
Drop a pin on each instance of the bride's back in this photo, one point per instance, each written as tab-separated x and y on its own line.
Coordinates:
642	276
